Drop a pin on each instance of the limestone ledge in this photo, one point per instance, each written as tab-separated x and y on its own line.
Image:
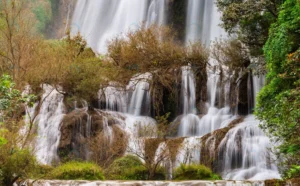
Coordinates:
143	183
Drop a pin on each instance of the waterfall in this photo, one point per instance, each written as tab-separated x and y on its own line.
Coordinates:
141	94
157	12
245	152
191	124
188	90
258	83
189	120
101	21
48	122
212	87
202	22
115	98
134	99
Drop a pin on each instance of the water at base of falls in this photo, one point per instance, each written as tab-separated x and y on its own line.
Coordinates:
147	183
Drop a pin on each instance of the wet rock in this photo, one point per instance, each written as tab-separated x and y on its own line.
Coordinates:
210	143
62	11
85	133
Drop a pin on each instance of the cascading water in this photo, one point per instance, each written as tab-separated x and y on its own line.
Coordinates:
141	94
48	121
189	119
101	21
188	90
244	148
157	12
191	124
215	117
198	20
258	83
202	22
115	98
246	153
134	100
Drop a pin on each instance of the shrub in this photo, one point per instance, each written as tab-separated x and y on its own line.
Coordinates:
194	172
293	172
128	167
17	164
42	171
77	171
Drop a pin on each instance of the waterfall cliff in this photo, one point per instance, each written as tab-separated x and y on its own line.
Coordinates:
242	151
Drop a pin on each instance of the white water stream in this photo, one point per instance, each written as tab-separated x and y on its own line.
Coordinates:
99	21
48	121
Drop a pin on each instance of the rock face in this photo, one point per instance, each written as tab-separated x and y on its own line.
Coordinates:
62	11
242	102
92	135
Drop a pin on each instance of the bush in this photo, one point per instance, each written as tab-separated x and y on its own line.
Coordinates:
194	172
42	171
15	164
77	171
293	172
131	167
126	168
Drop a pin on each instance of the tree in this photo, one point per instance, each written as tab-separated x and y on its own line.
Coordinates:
279	101
70	64
17	37
155	50
158	152
16	161
249	20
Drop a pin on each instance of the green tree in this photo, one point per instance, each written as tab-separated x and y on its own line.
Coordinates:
250	20
279	101
16	160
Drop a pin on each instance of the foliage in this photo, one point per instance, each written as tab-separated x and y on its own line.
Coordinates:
16	160
279	101
194	172
10	99
18	38
294	172
131	167
155	50
42	172
70	64
18	164
128	167
77	171
231	56
250	20
43	14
